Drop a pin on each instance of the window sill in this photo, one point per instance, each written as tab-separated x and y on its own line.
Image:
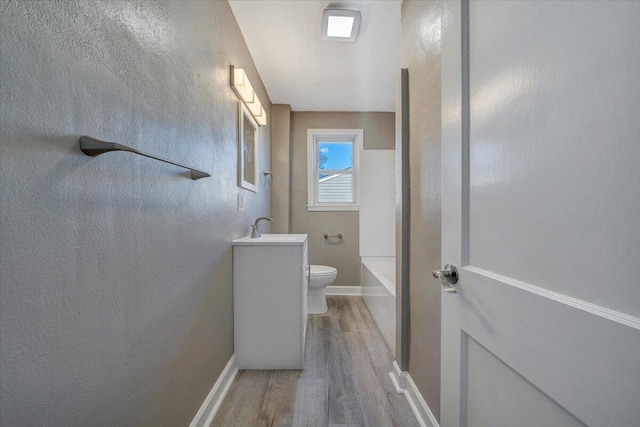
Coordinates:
325	208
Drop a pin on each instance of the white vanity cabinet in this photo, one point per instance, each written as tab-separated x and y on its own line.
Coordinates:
270	281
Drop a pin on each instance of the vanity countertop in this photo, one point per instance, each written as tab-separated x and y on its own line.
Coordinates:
272	239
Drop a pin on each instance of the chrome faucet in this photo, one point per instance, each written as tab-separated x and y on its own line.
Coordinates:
255	227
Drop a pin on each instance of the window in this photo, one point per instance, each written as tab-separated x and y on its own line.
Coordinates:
333	166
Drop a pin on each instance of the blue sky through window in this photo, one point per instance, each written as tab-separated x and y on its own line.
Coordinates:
338	155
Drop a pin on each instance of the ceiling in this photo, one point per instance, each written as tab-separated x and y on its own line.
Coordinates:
299	68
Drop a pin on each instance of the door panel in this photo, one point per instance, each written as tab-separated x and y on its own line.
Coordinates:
583	358
540	212
495	392
553	157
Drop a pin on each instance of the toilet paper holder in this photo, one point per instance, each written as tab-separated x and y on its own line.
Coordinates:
339	236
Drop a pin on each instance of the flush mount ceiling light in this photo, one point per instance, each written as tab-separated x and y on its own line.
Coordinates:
340	24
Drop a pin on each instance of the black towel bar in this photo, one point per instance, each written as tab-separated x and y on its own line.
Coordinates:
94	147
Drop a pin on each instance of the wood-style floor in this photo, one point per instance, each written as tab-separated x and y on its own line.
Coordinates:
345	381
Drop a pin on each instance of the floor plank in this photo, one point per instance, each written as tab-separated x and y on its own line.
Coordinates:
345	353
373	404
346	314
249	387
277	405
343	393
311	407
381	359
316	352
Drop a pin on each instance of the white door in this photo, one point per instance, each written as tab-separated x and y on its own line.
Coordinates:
541	213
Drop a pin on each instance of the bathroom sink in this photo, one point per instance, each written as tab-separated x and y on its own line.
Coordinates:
279	237
273	239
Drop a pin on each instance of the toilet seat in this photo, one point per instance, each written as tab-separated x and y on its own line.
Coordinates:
322	270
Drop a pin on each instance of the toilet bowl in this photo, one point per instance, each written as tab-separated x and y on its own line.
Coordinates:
321	276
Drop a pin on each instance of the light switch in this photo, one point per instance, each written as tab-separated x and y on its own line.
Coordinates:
240	202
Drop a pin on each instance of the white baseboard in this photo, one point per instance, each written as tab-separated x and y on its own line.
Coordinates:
343	290
212	403
398	378
404	384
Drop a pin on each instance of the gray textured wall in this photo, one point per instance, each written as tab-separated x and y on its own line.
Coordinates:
280	165
421	55
379	133
116	293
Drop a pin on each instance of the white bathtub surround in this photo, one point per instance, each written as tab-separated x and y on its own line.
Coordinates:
214	399
378	240
378	287
377	204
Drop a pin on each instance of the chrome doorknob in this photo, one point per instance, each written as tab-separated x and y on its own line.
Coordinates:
448	277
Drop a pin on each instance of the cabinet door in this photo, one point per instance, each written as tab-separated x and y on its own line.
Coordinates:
306	274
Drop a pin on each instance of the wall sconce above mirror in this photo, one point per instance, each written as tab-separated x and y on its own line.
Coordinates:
242	87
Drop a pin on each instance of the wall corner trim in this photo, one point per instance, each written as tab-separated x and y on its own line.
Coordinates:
404	385
212	403
344	290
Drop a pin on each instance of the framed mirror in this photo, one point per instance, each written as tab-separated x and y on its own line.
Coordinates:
247	149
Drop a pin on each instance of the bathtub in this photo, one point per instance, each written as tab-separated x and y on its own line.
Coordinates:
378	287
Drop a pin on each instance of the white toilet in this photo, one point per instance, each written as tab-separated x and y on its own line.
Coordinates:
321	277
